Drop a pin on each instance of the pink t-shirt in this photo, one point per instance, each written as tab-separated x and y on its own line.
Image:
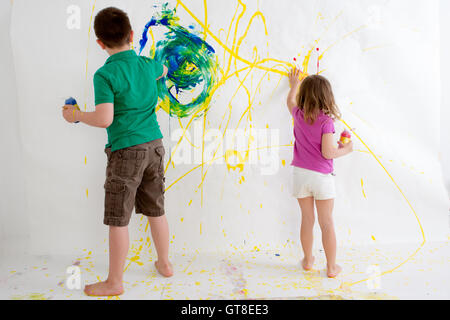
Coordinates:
308	142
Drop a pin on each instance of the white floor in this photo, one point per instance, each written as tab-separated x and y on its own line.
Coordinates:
246	275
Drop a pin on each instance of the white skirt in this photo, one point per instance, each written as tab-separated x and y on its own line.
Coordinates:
314	184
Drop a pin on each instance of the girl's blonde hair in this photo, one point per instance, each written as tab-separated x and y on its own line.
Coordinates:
316	95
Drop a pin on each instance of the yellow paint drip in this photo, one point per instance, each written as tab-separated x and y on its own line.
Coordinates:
404	197
362	188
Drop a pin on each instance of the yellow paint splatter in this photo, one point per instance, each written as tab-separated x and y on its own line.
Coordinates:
261	65
362	188
31	296
229	154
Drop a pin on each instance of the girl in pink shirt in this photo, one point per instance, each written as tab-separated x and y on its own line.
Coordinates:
311	103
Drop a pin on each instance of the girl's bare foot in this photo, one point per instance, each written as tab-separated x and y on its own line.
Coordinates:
164	269
308	264
333	272
104	289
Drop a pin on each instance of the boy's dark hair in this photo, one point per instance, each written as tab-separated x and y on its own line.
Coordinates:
112	26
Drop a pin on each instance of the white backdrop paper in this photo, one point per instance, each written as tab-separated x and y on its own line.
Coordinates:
381	56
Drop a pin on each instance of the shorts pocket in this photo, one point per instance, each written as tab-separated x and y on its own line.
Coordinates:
163	185
114	198
129	162
160	151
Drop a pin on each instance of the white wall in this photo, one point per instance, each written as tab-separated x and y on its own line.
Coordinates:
14	231
58	218
445	89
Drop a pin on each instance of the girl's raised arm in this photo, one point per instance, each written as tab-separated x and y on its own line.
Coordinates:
294	81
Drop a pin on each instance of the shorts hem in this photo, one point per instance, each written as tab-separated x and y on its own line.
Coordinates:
154	214
325	198
302	196
322	198
115	222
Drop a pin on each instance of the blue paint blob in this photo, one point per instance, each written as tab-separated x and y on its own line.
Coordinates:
71	101
192	65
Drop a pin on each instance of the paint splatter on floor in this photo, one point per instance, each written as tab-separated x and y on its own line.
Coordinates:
31	296
243	275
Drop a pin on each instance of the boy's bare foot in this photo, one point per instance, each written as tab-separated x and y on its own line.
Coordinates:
164	269
308	264
104	289
334	271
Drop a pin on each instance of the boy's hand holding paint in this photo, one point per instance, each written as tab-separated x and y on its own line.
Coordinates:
102	117
70	110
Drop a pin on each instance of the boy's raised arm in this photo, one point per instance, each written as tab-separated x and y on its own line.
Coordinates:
165	71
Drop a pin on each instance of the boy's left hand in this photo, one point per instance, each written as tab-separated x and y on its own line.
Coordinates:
69	113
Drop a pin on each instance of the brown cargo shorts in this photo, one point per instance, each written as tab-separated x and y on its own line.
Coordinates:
134	178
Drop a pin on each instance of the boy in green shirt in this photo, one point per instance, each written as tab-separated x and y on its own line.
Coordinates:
126	95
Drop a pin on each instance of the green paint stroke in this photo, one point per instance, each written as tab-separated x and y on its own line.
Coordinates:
192	64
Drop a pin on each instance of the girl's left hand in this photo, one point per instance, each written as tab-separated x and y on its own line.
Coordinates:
294	77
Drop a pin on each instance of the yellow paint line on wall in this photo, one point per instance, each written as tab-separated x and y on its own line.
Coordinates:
362	188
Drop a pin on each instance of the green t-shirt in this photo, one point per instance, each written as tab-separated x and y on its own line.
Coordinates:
129	82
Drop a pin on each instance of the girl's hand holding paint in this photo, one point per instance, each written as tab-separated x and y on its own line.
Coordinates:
348	147
70	113
294	78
